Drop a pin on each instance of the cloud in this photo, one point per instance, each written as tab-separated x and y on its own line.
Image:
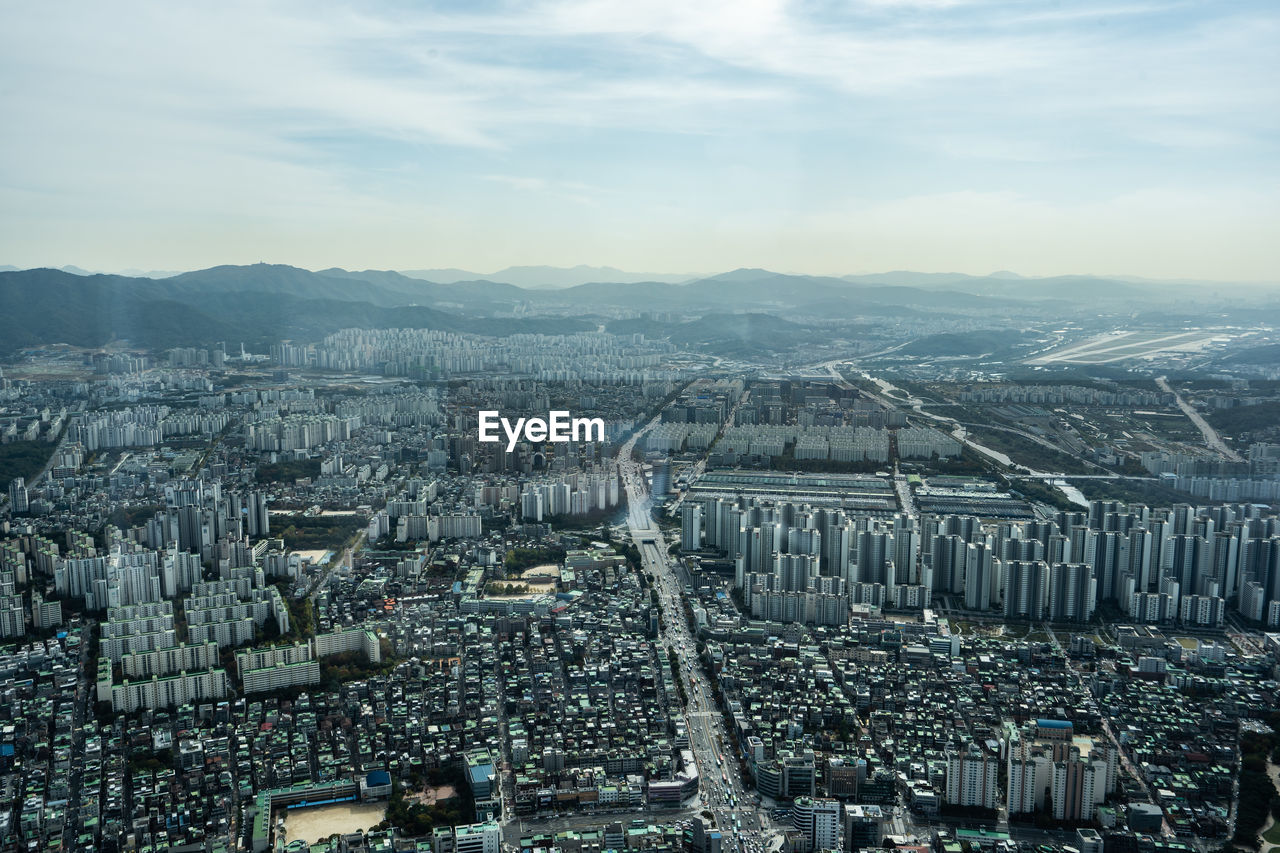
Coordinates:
280	117
1177	233
575	191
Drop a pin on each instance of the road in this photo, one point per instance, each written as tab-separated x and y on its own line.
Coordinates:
722	790
1211	437
343	560
1125	761
518	827
86	696
61	443
696	470
903	488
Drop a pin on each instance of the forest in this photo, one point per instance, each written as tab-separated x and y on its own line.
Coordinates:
23	459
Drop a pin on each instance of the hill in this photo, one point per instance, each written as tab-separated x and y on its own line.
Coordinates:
742	310
724	334
539	277
259	305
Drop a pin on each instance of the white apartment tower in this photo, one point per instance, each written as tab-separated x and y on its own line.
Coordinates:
972	777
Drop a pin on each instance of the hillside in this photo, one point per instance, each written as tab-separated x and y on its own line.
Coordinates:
724	334
742	310
544	277
256	305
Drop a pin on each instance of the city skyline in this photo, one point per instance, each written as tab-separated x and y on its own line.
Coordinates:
585	426
1135	139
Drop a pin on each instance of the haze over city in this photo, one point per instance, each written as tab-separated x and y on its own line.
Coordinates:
1133	138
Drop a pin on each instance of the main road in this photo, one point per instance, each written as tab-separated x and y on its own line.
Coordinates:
722	790
343	560
1211	437
1125	761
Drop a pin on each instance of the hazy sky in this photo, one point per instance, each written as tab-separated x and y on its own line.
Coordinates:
679	135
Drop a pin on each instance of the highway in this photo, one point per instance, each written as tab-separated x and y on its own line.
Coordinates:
903	488
1211	437
744	825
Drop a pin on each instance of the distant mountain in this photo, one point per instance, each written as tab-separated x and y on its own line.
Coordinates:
762	331
75	270
1077	288
725	334
851	308
259	304
741	310
447	275
278	279
395	288
379	287
826	295
136	273
912	279
744	274
45	306
537	277
1010	285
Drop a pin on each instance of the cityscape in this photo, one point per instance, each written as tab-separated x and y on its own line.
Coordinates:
289	599
640	426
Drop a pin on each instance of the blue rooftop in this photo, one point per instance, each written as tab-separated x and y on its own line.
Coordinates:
378	778
1054	724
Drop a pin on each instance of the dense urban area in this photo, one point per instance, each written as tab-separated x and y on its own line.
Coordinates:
1003	584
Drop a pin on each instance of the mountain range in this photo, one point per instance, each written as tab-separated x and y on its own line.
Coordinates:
261	304
547	277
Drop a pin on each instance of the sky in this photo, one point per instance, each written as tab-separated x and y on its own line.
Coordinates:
1038	136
